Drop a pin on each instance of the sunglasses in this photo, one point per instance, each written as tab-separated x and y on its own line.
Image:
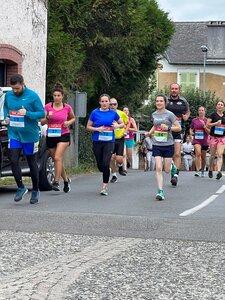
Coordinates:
111	104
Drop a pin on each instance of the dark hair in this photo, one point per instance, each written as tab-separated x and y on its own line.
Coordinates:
104	95
58	87
16	78
220	101
202	107
163	96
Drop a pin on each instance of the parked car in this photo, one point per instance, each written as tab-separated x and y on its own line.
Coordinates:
45	162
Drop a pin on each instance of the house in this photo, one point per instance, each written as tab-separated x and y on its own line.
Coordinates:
23	42
186	63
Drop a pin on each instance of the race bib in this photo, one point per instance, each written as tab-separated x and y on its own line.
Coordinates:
127	135
199	134
54	130
179	121
219	130
16	119
160	135
106	135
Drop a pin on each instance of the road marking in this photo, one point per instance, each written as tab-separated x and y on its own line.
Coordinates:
198	207
221	190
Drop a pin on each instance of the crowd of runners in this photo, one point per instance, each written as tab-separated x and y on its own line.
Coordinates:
113	132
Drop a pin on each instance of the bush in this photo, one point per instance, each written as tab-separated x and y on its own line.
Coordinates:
86	155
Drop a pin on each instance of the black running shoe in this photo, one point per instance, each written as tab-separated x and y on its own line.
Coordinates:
113	179
56	186
121	171
210	174
67	186
218	175
174	180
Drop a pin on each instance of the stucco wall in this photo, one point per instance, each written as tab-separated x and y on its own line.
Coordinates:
23	24
215	76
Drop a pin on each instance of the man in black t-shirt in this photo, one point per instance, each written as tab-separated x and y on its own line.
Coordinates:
180	107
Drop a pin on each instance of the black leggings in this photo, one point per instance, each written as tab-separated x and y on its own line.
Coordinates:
14	155
103	153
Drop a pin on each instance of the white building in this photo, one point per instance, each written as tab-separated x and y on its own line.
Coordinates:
23	42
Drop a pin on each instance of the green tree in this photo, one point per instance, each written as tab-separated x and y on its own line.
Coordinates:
106	46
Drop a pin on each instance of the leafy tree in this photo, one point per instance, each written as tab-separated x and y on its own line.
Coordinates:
106	46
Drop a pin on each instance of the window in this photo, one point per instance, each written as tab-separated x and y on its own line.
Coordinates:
188	79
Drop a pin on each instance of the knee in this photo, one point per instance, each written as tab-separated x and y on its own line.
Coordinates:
57	158
177	155
158	169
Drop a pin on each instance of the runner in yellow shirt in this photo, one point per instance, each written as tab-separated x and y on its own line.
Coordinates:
117	157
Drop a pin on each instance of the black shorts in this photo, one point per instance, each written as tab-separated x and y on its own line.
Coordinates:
51	142
178	136
163	151
119	146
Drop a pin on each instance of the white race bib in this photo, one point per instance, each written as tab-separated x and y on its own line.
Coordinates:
219	130
16	119
199	134
106	135
54	130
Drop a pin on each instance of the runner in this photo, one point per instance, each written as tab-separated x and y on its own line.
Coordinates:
216	139
128	140
164	122
180	107
22	110
102	122
59	118
200	133
117	157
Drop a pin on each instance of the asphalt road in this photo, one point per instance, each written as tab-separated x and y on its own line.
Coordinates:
82	245
130	210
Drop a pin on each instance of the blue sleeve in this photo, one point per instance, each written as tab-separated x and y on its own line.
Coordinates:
92	116
38	112
5	108
117	117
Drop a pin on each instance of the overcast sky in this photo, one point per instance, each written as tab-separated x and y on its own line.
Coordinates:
194	10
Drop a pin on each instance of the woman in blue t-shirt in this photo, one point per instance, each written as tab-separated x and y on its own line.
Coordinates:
102	122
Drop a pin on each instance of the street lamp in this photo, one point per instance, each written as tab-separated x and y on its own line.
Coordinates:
204	49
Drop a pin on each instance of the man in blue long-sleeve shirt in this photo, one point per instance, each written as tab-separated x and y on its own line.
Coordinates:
22	110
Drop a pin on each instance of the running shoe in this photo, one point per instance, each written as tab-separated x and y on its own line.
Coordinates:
20	193
173	170
218	175
128	165
160	195
35	195
113	179
197	174
56	186
210	174
125	172
174	180
203	173
67	186
121	171
104	191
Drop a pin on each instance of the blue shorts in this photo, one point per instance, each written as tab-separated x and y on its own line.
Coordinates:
163	151
129	143
28	148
